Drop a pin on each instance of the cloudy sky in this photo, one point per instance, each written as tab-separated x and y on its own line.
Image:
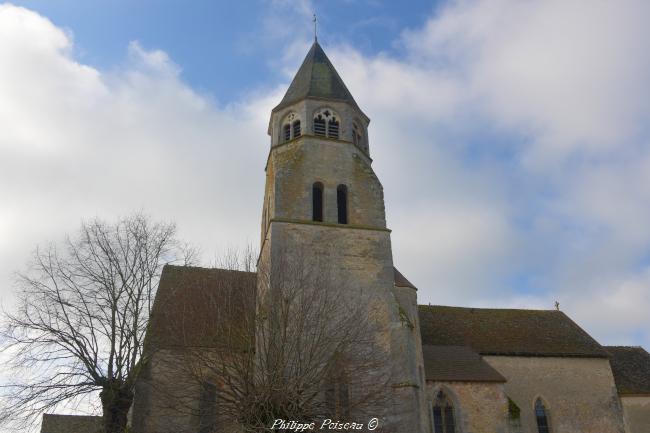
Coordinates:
511	136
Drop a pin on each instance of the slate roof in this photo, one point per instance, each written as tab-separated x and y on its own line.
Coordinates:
401	281
71	424
316	78
193	302
507	332
631	368
457	363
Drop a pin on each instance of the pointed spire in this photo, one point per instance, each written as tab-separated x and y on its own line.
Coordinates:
316	78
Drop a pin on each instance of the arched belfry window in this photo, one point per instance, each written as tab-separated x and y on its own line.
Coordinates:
317	201
290	127
342	203
541	415
444	420
326	123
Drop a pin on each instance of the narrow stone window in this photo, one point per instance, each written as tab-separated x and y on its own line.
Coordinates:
438	426
207	408
319	125
296	129
357	137
337	397
342	203
317	202
287	132
444	420
541	414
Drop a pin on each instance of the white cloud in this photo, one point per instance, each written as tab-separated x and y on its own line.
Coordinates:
512	141
78	142
565	73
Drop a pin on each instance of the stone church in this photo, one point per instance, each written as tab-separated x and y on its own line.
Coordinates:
451	369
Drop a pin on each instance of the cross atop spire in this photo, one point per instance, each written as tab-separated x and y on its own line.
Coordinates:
315	28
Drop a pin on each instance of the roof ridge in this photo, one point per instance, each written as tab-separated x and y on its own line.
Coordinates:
625	347
550	310
203	268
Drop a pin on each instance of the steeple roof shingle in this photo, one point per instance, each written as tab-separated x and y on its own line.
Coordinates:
316	78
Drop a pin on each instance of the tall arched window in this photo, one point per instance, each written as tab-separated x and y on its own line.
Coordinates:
207	408
342	203
541	415
326	123
337	397
317	201
444	420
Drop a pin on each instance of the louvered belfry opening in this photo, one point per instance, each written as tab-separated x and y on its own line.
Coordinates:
333	128
296	129
320	125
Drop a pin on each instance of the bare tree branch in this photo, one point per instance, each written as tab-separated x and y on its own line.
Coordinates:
81	319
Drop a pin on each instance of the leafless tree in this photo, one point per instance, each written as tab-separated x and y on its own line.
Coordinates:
305	348
81	318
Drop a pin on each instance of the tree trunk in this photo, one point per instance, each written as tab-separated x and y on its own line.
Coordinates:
116	403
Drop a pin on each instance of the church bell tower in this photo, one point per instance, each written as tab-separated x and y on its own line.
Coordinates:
323	201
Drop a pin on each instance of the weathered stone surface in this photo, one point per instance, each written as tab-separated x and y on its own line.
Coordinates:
296	166
359	252
636	410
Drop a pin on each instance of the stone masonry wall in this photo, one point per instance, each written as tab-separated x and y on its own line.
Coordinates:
301	163
361	260
479	407
167	397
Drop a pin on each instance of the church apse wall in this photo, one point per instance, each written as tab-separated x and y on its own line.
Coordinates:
579	394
